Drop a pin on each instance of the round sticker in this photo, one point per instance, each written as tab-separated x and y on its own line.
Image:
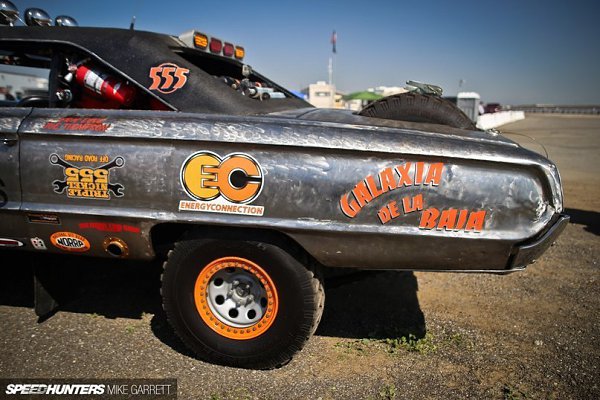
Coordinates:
70	241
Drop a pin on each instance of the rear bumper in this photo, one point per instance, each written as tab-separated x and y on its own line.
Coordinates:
530	251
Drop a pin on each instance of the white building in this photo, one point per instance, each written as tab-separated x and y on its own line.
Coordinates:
321	94
20	85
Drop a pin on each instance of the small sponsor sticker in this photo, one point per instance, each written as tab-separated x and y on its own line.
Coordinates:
85	182
4	242
43	219
109	227
70	241
168	77
78	124
38	243
221	184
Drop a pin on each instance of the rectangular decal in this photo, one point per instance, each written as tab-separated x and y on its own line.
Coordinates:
43	219
85	181
109	227
221	184
78	124
38	243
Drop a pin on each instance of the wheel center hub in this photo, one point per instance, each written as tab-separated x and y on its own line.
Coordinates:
242	289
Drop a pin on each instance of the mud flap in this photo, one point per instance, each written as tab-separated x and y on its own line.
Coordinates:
44	293
50	291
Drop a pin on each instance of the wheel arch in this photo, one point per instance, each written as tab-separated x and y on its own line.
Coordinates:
164	235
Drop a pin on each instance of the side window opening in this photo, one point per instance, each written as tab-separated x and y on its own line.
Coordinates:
21	83
240	78
66	78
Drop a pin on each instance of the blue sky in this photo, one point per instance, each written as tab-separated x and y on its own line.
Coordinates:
509	51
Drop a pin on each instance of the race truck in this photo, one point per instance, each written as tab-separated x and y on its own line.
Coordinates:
146	146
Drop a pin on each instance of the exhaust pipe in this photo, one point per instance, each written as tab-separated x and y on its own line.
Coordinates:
116	247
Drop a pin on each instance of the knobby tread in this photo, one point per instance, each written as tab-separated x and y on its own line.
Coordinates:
312	281
414	107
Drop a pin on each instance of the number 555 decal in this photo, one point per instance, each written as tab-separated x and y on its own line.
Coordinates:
168	77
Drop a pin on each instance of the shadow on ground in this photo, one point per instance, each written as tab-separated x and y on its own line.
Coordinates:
590	219
358	305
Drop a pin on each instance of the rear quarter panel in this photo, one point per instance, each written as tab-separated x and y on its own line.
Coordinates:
311	175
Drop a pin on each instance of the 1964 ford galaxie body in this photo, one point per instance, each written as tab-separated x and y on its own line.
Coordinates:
147	145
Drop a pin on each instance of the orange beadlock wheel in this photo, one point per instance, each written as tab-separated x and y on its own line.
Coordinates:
236	298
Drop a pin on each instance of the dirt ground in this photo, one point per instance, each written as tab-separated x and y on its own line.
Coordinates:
533	334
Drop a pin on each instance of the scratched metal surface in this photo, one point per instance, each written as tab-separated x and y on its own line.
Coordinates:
308	165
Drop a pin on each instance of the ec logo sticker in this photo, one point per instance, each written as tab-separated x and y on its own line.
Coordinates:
168	77
232	181
70	241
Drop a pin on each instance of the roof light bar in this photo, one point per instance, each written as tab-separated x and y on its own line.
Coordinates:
228	49
215	45
204	42
200	41
239	52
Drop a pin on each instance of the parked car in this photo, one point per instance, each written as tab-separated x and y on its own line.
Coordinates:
491	108
153	146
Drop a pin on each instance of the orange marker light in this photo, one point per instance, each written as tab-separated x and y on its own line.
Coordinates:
239	52
201	41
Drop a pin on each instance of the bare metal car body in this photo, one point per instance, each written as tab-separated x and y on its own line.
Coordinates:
350	190
146	147
309	166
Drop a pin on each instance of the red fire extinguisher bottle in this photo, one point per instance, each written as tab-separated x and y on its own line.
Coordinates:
104	85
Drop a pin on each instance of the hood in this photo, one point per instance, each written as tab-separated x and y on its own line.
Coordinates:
348	117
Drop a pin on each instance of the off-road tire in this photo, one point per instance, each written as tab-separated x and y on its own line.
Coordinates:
300	303
414	107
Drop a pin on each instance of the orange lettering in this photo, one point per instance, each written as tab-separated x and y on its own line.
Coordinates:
419	167
462	219
447	220
428	219
350	209
386	177
384	215
417	204
373	187
393	206
403	171
362	194
476	220
434	175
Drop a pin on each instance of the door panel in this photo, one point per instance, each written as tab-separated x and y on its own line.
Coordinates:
11	223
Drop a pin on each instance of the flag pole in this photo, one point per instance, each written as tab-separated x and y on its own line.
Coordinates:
333	51
330	69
